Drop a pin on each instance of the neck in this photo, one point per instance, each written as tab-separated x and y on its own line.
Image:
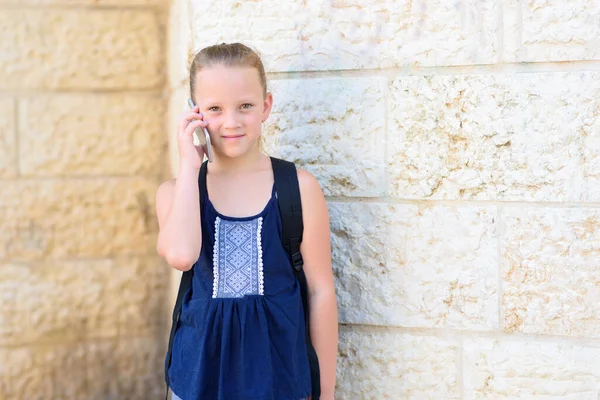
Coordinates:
246	162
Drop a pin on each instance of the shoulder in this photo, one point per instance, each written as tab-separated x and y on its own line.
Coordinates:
311	193
309	185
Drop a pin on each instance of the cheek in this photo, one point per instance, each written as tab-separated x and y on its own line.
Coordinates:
254	119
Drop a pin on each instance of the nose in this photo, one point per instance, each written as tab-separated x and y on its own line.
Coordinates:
231	121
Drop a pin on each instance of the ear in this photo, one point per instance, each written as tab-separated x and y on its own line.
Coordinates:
267	105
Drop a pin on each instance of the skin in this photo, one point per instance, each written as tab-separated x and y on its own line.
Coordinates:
232	104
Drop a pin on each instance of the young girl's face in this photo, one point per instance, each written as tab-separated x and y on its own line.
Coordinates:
232	102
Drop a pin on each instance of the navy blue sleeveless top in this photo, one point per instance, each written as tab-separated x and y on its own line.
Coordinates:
241	333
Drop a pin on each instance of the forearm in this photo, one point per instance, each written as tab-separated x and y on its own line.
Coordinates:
180	238
324	336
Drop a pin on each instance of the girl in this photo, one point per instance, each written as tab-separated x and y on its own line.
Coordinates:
241	333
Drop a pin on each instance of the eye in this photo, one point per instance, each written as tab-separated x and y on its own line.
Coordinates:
214	109
247	106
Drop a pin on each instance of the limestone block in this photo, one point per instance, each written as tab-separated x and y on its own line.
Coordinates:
130	368
177	106
356	34
101	3
384	364
559	30
75	300
80	49
522	368
363	179
551	281
77	218
510	137
590	146
416	266
144	305
333	127
180	51
51	371
104	134
8	139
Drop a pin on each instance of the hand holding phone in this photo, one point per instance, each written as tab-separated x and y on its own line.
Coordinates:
202	137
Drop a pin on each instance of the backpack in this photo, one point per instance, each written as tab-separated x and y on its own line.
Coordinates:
290	209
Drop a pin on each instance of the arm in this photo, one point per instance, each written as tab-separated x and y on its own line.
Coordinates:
178	213
316	252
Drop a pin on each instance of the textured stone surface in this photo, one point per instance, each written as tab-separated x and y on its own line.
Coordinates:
102	3
135	367
8	139
180	51
91	135
518	369
590	143
384	364
416	266
550	271
318	35
558	30
77	218
75	300
119	369
177	106
334	128
83	295
80	49
512	137
46	371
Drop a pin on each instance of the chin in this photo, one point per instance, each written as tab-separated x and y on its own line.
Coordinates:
235	152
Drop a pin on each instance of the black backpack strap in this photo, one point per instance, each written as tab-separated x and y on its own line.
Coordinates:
290	208
186	282
292	227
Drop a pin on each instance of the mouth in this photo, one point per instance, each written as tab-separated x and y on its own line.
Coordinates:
232	137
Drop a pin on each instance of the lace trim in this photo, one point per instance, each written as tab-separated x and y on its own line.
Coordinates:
261	276
216	259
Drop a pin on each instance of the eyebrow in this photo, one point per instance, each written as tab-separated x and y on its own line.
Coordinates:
241	101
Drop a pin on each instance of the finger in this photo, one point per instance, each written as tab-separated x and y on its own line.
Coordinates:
189	130
193	113
188	117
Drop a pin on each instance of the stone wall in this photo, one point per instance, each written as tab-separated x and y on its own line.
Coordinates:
82	150
456	144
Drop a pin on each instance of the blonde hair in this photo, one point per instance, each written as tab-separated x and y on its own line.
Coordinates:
233	55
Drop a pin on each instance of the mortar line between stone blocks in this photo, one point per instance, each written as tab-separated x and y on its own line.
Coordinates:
444	332
499	268
74	178
460	203
577	66
70	341
74	259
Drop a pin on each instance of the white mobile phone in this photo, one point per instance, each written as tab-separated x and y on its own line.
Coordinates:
202	138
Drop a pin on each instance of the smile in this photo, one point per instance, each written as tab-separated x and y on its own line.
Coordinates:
232	137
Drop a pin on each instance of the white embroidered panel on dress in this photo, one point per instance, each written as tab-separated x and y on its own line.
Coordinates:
237	258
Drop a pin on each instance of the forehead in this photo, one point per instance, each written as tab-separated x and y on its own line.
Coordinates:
222	82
